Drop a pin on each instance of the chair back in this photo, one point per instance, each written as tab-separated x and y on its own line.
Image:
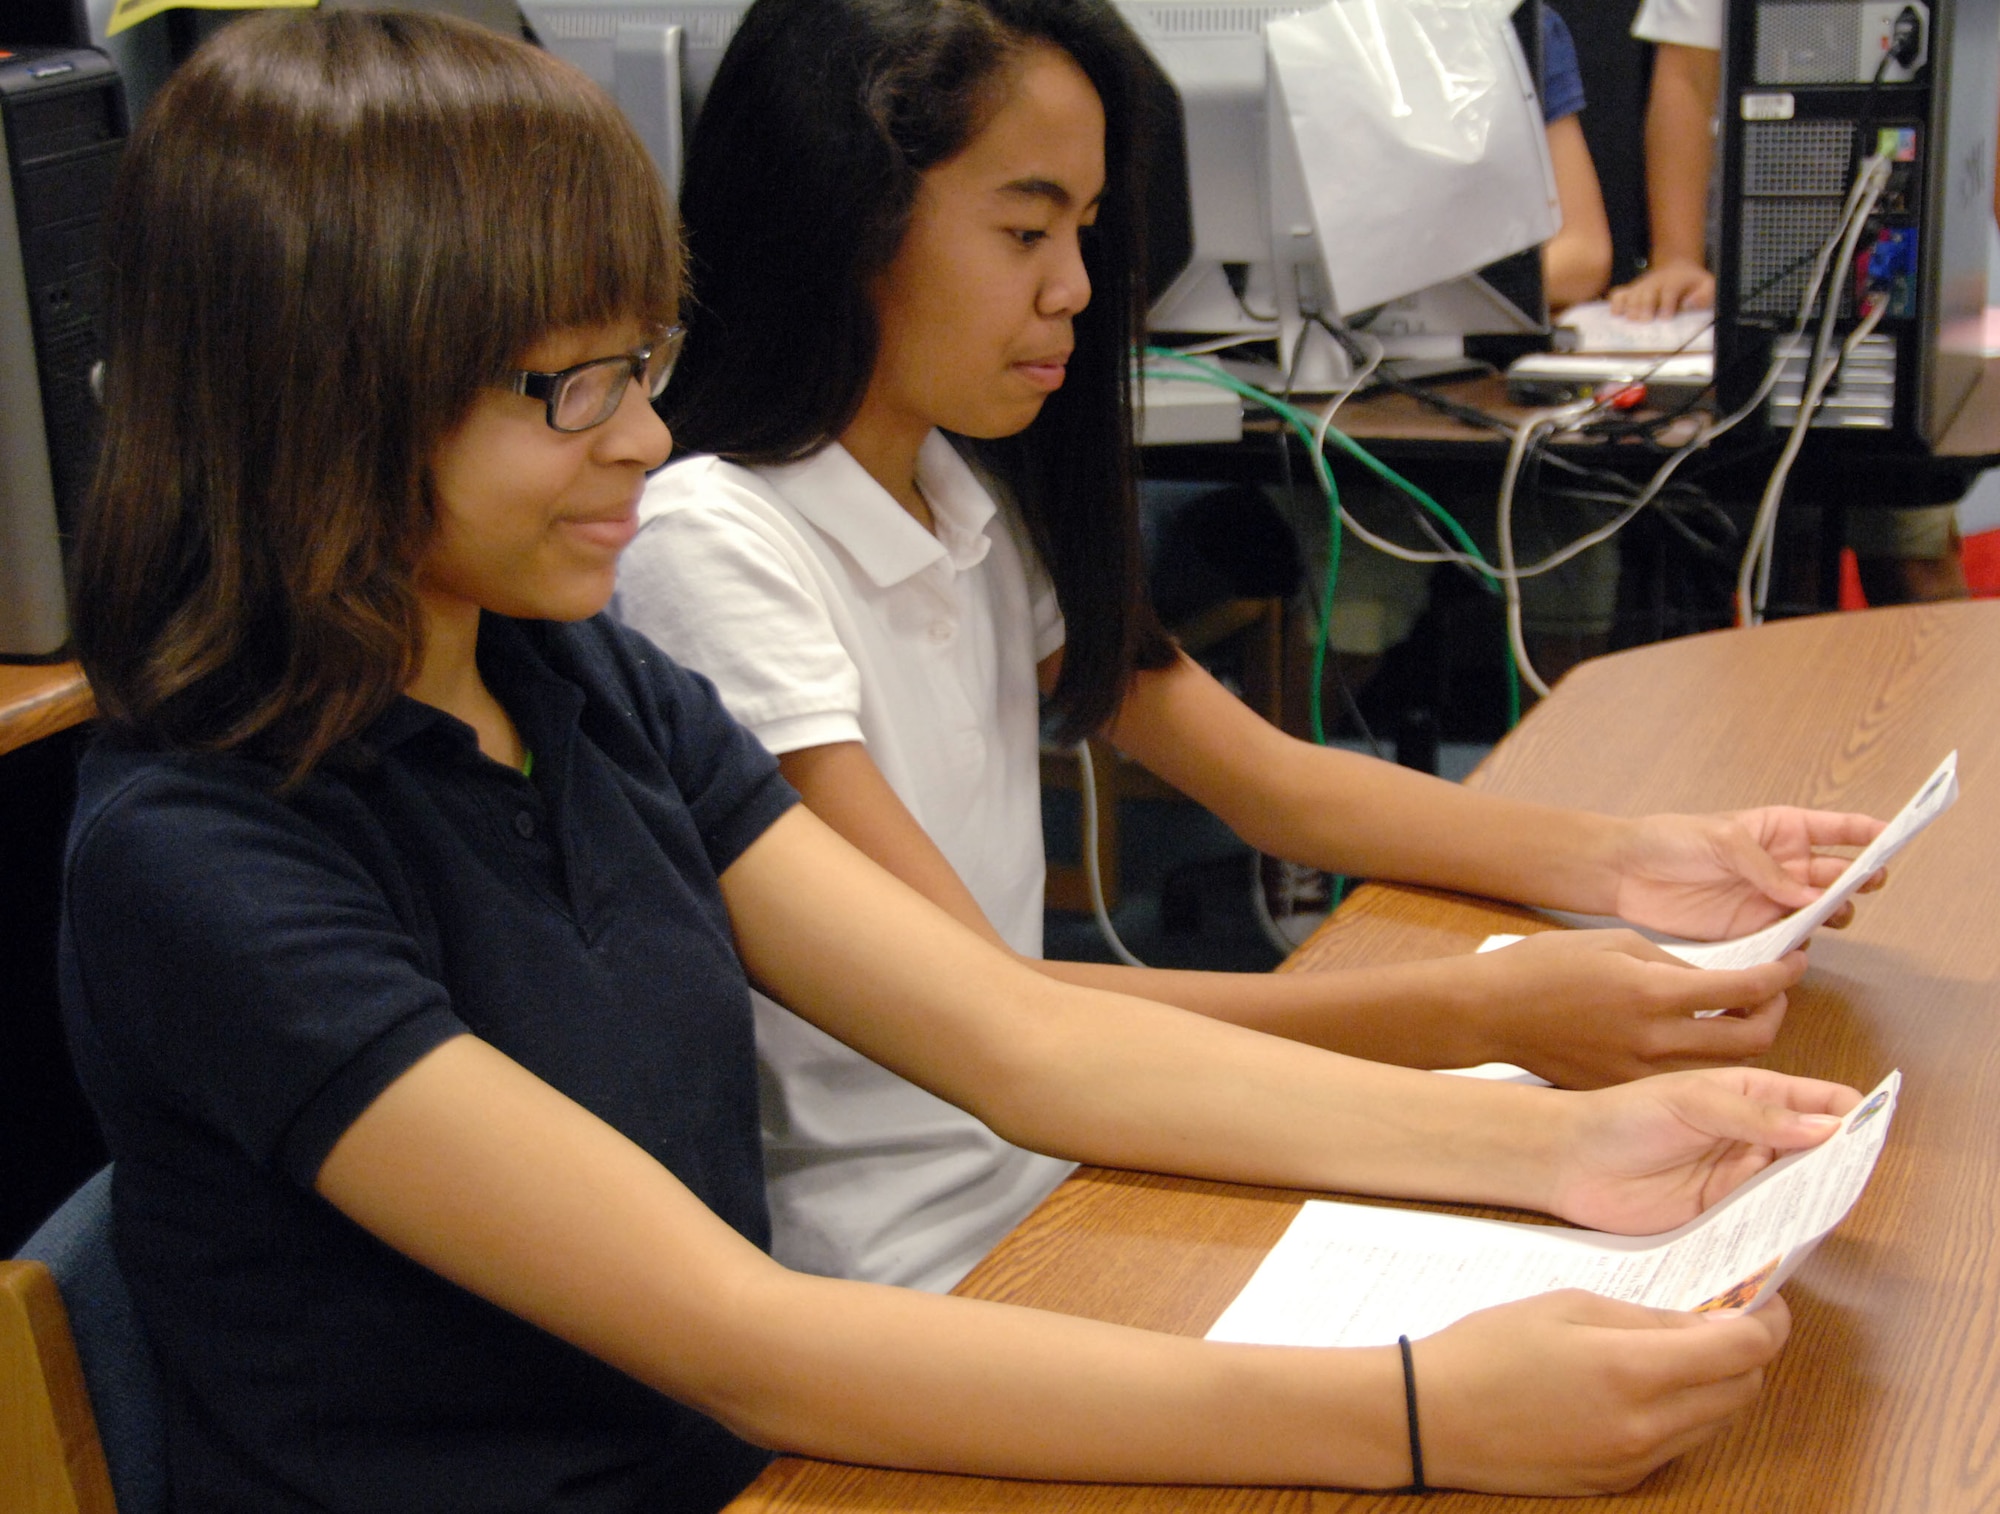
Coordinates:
50	1459
81	1405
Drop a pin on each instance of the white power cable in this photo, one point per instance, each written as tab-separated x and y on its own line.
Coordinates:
1753	576
1533	426
1354	386
1757	558
1221	343
1092	874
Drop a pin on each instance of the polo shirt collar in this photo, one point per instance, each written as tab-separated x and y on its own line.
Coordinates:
544	706
837	495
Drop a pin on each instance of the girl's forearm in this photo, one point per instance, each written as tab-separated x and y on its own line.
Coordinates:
1411	1014
1105	1077
1377	820
888	1376
479	1171
1126	1083
1354	814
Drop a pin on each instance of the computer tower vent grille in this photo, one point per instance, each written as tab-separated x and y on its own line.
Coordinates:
1797	157
1814	43
1781	239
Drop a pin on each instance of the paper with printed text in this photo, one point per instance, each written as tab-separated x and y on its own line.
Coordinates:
1353	1275
1933	797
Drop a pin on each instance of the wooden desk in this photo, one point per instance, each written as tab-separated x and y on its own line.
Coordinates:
1888	1396
39	700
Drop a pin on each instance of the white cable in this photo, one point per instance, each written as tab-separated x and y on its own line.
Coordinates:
1278	939
1091	873
1357	382
1753	576
1224	343
1757	557
1347	520
1407	554
1860	201
1533	425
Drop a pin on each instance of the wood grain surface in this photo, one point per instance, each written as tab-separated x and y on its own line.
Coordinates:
1888	1395
39	700
51	1461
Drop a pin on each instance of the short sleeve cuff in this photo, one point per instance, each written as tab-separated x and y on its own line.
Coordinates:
794	733
1681	23
756	814
322	1123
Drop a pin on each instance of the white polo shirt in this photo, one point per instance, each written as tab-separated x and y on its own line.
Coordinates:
824	613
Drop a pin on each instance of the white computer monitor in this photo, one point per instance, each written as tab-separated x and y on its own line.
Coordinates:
1245	199
657	58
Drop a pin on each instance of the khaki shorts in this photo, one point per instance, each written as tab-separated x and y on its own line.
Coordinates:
1925	532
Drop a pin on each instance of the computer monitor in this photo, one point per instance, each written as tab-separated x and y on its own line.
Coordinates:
657	58
1240	193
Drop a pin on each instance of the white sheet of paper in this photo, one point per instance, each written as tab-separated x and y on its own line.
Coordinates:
1938	793
1351	1275
1934	796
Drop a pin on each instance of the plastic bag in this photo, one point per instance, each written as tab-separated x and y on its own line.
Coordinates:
1419	132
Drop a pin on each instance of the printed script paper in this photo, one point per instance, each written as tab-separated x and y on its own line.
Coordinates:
1351	1275
1938	793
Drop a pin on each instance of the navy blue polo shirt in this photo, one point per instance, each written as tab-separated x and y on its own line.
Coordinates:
244	970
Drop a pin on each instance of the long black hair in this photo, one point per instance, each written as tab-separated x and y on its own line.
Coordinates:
804	167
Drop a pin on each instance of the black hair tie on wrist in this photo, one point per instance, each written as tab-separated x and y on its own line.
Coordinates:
1410	1403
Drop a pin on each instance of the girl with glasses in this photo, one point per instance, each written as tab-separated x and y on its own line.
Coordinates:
915	228
411	905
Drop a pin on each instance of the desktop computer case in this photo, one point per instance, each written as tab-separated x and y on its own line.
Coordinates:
1796	78
62	120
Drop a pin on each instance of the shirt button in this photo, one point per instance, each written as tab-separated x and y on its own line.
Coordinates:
941	631
525	824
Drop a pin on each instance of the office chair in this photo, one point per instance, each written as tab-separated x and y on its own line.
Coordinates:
81	1418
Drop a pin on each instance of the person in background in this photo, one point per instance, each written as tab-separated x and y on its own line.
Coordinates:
914	228
1680	156
1907	549
1576	261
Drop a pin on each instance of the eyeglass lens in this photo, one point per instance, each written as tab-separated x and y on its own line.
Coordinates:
590	394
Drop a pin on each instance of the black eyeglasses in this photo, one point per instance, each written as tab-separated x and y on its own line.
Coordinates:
589	394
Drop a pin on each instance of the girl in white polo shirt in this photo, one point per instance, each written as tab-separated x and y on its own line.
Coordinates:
915	233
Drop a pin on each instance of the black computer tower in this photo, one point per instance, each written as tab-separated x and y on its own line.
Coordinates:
1805	95
62	122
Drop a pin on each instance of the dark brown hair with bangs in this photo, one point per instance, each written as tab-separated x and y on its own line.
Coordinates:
330	232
